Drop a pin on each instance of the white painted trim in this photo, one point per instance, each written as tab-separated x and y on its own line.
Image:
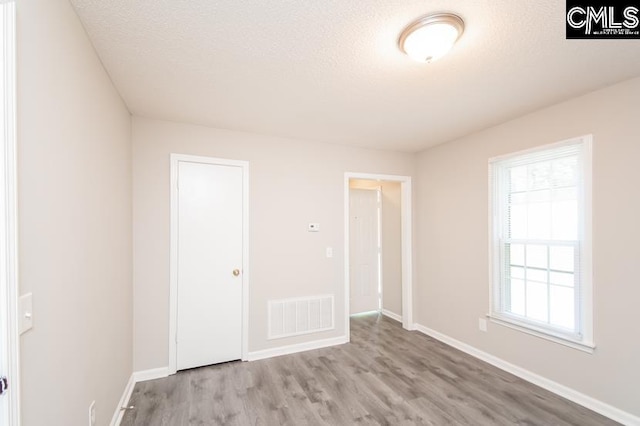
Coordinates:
392	315
9	251
173	258
347	277
564	391
151	374
300	347
407	244
542	334
407	254
136	377
124	399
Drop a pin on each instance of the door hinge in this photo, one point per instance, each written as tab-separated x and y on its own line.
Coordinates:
4	385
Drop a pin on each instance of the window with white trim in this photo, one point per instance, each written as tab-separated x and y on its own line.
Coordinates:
540	237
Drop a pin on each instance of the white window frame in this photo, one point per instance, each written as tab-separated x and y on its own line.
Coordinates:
9	358
583	339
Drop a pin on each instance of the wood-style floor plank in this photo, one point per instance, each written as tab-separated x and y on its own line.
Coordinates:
385	376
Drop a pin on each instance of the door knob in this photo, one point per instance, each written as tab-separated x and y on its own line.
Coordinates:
236	272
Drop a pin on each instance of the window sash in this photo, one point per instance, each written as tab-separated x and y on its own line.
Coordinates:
499	168
505	274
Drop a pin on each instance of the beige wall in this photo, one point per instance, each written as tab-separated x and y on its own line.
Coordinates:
391	230
74	171
292	183
392	247
453	240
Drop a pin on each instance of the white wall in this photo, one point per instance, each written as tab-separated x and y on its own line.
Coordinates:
453	242
292	183
391	236
74	190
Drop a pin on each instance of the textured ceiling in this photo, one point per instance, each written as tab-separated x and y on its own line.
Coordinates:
330	70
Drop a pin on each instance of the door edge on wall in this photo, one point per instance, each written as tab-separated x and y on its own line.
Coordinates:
9	283
175	159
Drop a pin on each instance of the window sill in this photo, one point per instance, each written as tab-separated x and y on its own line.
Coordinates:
587	347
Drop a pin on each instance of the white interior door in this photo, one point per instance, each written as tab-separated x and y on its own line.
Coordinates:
209	290
364	250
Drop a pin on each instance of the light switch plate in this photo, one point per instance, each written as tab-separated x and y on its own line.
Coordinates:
314	227
25	314
329	252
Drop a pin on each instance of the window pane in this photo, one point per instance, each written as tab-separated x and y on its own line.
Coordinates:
565	194
518	177
561	278
516	252
539	175
543	195
517	272
565	171
565	220
539	275
537	301
518	221
561	258
562	312
539	221
516	303
537	256
518	198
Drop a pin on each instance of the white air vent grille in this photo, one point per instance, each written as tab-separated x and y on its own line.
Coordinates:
291	317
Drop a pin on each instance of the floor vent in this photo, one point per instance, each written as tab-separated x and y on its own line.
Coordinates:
292	317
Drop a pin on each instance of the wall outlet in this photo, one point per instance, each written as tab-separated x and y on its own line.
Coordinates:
92	413
482	324
313	227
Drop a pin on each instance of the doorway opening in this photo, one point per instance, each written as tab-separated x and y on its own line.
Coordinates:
378	252
365	246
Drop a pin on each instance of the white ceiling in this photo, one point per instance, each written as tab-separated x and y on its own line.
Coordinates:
331	70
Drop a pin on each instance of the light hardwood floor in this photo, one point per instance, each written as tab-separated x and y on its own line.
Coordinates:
385	376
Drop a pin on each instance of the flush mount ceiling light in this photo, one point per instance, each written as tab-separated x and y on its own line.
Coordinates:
431	36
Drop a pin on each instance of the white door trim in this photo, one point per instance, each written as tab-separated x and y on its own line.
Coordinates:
407	244
173	261
9	223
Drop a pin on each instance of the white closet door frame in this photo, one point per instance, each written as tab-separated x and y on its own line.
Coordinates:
173	282
407	245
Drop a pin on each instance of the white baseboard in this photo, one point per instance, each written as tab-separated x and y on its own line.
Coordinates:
564	391
124	399
159	373
137	376
392	315
154	373
300	347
